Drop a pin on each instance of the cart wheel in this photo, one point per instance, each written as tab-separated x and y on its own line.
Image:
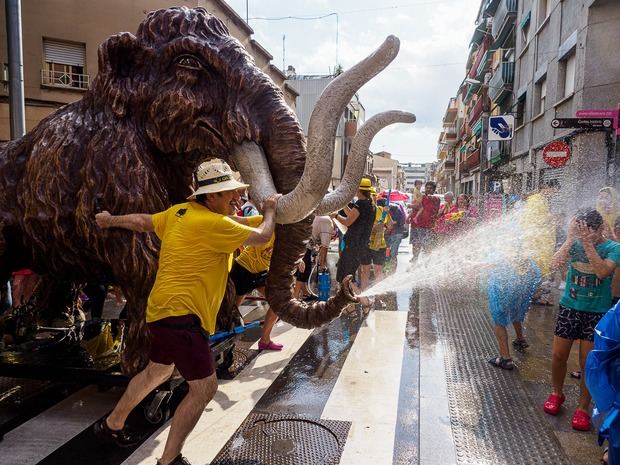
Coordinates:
228	359
158	416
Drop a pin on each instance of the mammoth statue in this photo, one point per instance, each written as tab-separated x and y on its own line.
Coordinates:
179	92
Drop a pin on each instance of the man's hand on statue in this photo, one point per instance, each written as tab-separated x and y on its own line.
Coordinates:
103	219
271	202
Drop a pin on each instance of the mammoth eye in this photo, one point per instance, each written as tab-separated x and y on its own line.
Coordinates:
188	61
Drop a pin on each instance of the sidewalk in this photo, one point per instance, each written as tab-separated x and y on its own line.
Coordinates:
481	414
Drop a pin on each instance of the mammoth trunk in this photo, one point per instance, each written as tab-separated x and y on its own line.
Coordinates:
288	248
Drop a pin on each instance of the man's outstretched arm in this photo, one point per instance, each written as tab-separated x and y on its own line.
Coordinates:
139	222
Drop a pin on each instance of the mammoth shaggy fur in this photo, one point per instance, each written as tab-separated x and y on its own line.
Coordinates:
179	92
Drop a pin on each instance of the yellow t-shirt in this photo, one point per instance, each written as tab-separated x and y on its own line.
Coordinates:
195	258
256	258
538	241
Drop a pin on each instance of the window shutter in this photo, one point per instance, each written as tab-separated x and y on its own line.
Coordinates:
64	53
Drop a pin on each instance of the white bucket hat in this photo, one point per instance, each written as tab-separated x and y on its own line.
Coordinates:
215	176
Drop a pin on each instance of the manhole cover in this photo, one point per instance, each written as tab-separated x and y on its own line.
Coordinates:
264	439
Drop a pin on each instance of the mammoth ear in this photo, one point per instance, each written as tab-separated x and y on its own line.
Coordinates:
118	57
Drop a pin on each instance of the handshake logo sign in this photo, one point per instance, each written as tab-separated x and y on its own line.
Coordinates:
501	127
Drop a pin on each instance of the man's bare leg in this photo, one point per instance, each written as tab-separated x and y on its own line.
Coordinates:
138	388
201	391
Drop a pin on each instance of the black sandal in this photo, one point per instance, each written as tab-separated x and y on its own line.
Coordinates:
122	438
520	344
503	363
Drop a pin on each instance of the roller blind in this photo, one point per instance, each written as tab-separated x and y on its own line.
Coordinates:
56	51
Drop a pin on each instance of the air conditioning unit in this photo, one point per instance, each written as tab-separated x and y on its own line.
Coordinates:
4	73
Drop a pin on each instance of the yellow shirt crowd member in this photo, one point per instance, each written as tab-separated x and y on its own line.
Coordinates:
538	232
193	272
256	259
377	236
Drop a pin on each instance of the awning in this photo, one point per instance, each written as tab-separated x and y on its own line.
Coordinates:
526	19
476	129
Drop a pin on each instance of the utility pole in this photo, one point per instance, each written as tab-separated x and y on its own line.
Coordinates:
16	68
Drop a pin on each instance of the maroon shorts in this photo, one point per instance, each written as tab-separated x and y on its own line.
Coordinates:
181	341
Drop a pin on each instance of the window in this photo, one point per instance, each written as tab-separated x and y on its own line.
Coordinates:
64	64
520	114
525	27
568	68
544	10
541	91
529	182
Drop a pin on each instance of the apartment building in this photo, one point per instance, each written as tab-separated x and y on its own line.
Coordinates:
60	41
536	60
413	172
565	63
388	172
309	89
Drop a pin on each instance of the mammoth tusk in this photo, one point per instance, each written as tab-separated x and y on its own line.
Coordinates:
250	161
303	200
356	163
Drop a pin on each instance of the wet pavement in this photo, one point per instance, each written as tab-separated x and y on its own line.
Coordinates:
409	384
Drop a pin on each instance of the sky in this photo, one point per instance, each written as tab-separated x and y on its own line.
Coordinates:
434	36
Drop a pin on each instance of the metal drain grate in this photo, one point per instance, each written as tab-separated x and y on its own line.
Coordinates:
493	419
270	439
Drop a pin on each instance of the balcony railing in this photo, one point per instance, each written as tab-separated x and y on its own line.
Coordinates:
475	112
450	130
480	55
64	80
350	128
500	84
504	17
473	160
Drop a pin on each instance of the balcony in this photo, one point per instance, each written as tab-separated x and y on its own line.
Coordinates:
480	56
504	20
498	151
64	80
350	128
472	160
500	84
451	111
475	112
449	132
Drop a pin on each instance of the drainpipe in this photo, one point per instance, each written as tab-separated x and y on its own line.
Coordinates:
16	68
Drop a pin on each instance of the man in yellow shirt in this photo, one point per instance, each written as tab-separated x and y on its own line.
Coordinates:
198	239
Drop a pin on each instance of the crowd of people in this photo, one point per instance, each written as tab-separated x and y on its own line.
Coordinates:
219	233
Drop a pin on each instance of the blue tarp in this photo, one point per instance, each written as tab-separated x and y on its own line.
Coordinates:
602	376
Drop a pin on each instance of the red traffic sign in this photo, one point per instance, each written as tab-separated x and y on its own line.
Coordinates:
556	153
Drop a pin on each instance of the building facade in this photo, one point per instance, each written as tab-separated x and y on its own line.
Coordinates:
388	173
565	64
537	60
60	42
413	172
309	89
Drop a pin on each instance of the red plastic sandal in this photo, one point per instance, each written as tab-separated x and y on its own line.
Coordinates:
553	404
581	421
270	346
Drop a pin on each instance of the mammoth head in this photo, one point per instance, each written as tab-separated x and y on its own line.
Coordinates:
194	93
190	86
